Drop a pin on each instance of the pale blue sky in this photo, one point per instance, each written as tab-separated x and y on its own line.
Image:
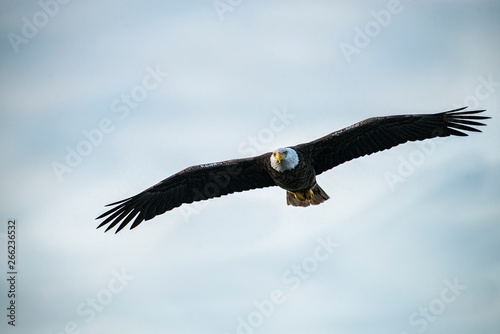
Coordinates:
170	84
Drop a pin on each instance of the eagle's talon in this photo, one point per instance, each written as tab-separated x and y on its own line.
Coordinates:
300	196
309	194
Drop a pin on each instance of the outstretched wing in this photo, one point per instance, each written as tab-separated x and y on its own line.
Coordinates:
381	133
192	184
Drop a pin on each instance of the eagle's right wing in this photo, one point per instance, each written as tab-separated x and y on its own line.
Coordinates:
192	184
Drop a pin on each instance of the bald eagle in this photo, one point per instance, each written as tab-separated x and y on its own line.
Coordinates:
291	168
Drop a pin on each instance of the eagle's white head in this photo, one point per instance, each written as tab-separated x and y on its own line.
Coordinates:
283	159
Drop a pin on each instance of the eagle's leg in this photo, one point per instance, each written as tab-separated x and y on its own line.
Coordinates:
313	196
300	196
309	194
304	196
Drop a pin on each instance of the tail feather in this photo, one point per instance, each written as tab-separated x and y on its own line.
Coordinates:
319	197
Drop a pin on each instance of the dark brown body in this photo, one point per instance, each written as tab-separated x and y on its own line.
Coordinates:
299	182
299	179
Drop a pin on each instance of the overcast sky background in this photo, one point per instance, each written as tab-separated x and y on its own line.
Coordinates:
405	224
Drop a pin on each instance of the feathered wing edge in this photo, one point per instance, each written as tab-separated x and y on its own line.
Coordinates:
381	133
192	184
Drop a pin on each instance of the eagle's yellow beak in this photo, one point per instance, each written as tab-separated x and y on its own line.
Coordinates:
279	156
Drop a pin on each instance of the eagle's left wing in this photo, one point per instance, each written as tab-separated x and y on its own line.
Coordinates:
381	133
192	184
